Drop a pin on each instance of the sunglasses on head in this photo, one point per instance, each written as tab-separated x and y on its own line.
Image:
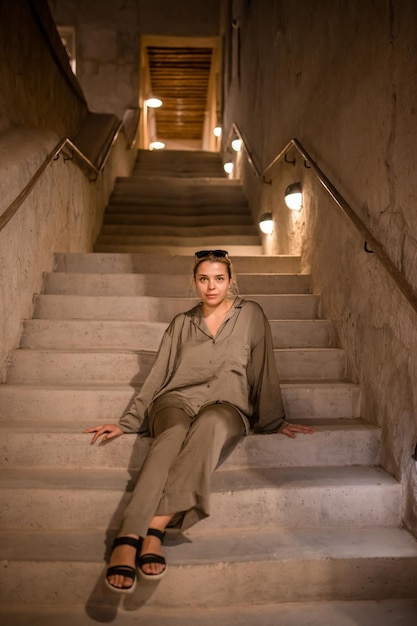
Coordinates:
203	253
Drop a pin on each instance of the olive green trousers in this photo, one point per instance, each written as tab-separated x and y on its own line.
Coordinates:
176	475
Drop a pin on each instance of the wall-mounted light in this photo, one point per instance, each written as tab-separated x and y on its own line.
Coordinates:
236	144
157	145
228	167
266	224
217	131
153	103
294	197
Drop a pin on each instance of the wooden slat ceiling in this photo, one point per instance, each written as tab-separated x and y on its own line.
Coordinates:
180	77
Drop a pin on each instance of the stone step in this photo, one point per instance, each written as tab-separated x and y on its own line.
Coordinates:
189	239
130	335
178	199
334	613
291	497
132	205
203	171
58	366
174	249
165	249
171	263
170	217
147	308
92	334
159	229
179	170
217	570
196	185
178	163
169	157
164	285
199	194
55	444
88	404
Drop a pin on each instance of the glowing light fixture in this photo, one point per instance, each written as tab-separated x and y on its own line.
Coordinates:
157	145
266	224
217	132
228	167
294	197
236	144
153	103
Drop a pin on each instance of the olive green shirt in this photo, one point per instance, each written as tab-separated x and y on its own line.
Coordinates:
193	368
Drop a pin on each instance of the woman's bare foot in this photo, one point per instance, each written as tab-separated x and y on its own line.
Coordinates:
123	556
152	545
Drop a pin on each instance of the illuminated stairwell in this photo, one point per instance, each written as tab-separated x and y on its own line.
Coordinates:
308	529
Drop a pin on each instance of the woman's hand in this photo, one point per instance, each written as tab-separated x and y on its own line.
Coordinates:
291	430
108	430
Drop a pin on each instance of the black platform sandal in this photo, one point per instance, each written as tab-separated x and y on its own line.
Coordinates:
150	557
123	570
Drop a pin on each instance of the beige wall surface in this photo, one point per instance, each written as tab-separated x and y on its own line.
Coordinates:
107	50
340	76
63	213
182	18
39	105
107	38
35	90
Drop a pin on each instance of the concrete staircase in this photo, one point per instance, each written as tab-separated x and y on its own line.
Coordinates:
303	532
178	199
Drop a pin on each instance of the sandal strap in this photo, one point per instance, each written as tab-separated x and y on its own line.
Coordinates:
155	532
121	570
149	557
126	541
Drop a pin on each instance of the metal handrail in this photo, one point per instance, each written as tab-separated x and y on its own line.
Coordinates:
235	131
64	145
400	280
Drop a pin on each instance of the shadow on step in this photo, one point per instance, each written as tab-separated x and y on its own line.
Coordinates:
103	604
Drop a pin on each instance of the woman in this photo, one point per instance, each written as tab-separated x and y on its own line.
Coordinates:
214	380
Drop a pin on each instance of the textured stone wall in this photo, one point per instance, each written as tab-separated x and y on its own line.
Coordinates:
62	214
108	41
182	18
340	76
107	50
41	103
36	88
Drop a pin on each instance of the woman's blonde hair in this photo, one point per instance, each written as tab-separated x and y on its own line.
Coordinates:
216	256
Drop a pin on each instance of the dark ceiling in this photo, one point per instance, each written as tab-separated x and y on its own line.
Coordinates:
180	77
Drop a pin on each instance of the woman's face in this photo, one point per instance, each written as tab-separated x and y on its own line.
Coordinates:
212	282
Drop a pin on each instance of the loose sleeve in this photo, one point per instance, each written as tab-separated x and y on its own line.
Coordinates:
135	418
265	392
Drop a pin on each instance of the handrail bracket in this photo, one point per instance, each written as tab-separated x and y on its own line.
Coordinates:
287	160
